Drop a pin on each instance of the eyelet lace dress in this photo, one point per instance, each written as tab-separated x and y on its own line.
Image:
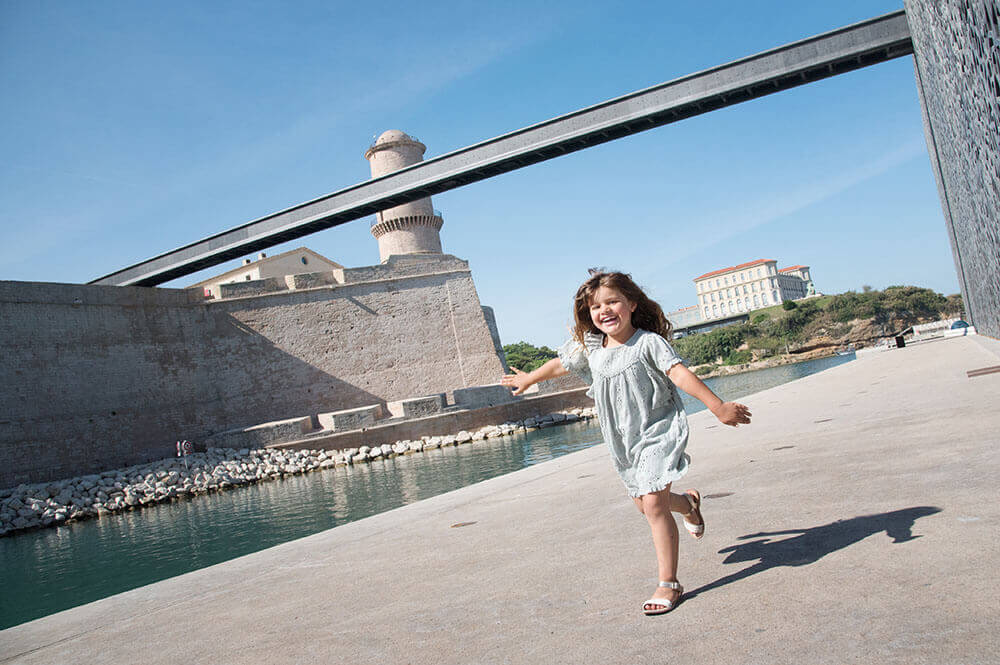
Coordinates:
642	417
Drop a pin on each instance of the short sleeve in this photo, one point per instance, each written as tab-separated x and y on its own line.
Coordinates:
574	358
660	354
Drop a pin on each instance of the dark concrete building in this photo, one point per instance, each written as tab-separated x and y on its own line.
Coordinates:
957	53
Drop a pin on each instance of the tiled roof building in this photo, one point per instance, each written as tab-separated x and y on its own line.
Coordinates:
749	286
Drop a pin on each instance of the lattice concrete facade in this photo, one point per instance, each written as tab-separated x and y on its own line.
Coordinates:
957	50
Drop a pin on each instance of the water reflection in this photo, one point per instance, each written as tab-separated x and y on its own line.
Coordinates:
54	569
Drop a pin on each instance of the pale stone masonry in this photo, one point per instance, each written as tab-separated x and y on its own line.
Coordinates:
411	228
96	377
280	266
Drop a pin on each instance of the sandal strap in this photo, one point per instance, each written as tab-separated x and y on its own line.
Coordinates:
694	528
692	504
662	602
670	585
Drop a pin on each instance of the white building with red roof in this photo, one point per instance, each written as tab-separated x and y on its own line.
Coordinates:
749	286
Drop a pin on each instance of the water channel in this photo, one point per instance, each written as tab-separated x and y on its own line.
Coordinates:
53	569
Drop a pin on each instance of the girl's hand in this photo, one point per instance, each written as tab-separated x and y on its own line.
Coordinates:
519	381
732	413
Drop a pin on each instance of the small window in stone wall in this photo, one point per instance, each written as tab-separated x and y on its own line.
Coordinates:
305	261
248	278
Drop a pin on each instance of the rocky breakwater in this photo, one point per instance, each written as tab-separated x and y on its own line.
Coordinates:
52	504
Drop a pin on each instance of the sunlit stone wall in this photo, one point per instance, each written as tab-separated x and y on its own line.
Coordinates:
957	50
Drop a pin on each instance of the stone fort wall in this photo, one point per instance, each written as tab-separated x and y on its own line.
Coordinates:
96	377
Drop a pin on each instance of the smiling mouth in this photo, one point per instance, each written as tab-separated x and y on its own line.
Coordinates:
606	321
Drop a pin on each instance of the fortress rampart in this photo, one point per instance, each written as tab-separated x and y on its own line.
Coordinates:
100	376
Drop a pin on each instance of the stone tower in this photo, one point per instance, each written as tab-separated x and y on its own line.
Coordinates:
411	228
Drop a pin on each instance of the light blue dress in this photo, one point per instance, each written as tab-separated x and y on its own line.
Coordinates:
642	417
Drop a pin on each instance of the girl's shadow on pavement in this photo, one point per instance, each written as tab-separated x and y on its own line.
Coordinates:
814	543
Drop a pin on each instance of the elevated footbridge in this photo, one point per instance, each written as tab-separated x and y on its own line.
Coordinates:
846	49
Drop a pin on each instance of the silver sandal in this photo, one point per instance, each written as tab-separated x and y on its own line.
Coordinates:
665	605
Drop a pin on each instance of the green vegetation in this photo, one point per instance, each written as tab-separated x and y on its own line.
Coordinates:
907	303
526	357
713	346
773	330
739	357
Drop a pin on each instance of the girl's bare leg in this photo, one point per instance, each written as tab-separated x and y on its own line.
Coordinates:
678	503
658	508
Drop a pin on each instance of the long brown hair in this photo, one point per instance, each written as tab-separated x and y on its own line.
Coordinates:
648	315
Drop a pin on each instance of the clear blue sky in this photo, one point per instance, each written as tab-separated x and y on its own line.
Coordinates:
129	129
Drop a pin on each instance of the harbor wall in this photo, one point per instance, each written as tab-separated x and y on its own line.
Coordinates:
97	377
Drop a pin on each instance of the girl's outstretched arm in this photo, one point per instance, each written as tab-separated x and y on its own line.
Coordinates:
728	413
521	381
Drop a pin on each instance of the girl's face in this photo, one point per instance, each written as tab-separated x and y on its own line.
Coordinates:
611	312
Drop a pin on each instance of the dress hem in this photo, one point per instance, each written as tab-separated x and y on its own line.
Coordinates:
659	487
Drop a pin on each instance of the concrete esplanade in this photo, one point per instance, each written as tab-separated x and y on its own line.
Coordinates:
854	521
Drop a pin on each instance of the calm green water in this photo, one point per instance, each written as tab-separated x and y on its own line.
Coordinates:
55	569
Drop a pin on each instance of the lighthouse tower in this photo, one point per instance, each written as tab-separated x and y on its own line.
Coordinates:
411	228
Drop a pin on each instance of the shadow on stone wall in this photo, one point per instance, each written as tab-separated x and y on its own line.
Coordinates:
130	381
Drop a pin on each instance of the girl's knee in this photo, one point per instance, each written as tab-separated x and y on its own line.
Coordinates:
654	506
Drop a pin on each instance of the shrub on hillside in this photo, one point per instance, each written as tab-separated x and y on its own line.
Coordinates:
527	357
739	357
909	304
711	346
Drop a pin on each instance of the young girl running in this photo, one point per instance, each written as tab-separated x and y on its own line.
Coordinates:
619	347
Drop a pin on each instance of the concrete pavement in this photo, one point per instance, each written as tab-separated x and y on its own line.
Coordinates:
854	521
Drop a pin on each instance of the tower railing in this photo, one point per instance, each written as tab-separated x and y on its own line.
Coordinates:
375	220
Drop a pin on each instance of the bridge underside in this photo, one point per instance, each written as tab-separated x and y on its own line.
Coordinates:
853	47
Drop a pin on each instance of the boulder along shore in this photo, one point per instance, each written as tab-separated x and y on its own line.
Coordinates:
41	505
